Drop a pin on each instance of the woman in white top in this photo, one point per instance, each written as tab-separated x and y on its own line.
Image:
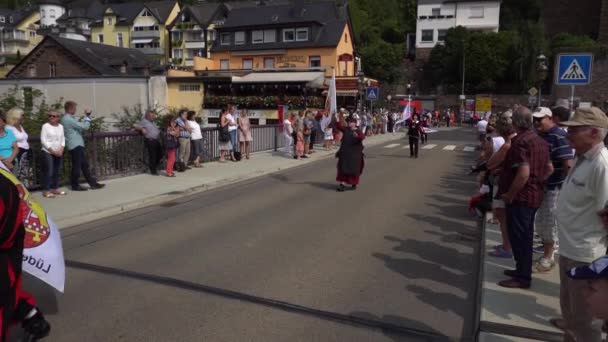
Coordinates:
196	137
52	139
14	118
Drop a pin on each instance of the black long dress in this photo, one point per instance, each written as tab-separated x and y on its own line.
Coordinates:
350	156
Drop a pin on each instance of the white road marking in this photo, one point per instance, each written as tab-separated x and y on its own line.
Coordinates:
429	147
449	148
469	149
391	145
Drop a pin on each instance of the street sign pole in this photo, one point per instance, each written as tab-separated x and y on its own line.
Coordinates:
571	98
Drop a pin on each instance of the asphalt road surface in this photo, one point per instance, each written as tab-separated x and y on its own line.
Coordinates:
286	258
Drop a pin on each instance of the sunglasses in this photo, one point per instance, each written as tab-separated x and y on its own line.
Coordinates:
53	116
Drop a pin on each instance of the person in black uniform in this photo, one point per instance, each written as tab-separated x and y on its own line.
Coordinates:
414	132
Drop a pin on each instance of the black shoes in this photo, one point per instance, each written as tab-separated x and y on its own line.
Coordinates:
97	186
340	188
36	326
354	187
79	188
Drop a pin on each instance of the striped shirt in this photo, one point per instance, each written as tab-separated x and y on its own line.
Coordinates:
183	129
559	150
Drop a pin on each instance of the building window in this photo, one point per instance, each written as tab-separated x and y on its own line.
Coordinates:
441	35
32	34
119	40
315	61
289	35
427	36
239	38
10	19
224	64
100	38
190	87
31	70
346	37
225	38
247	63
263	36
2	19
270	36
302	34
52	69
109	20
42	13
154	28
146	14
476	12
436	12
269	63
257	36
52	13
178	53
212	34
155	44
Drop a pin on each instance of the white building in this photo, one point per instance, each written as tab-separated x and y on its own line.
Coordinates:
435	17
50	11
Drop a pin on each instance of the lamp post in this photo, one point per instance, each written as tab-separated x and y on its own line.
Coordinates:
542	71
361	82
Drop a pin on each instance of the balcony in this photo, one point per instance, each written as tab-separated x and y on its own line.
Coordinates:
152	51
15	37
195	44
145	34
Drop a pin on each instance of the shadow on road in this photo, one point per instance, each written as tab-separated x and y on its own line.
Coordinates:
404	322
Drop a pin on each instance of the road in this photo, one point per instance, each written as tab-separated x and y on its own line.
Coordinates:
286	258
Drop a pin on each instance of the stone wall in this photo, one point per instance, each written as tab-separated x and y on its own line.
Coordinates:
572	16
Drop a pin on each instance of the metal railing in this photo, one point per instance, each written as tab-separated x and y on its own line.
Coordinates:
118	154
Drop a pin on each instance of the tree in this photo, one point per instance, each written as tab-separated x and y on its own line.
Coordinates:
488	58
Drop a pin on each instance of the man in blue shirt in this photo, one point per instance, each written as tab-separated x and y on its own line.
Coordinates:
561	154
73	130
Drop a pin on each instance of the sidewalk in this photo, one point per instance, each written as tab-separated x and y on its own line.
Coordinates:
513	314
135	192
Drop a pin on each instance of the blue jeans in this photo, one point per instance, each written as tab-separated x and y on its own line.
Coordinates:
520	225
233	141
51	167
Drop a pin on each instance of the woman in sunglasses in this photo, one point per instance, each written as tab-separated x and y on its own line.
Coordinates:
52	139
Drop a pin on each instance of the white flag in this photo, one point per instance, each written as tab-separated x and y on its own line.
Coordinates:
406	115
331	102
43	252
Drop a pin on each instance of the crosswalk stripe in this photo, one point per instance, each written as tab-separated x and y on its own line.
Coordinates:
449	148
469	149
429	147
391	145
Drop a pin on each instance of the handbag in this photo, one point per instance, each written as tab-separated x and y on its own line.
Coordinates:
170	142
224	135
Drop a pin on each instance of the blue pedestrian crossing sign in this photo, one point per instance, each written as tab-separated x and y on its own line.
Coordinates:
573	69
372	94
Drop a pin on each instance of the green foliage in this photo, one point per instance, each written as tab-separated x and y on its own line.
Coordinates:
128	117
565	42
380	32
488	57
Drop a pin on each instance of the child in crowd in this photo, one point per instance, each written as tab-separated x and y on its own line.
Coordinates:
300	143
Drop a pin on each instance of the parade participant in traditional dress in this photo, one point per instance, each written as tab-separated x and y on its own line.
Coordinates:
350	154
16	306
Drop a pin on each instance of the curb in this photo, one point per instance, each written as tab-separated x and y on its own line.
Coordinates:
97	214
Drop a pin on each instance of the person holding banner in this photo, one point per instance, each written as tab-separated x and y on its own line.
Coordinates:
350	154
15	304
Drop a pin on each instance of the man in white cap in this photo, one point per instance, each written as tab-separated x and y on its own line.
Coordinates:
561	155
581	233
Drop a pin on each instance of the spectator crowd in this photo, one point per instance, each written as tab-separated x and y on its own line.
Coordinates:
545	173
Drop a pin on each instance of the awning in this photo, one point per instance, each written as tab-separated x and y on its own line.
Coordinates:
142	41
347	92
312	79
